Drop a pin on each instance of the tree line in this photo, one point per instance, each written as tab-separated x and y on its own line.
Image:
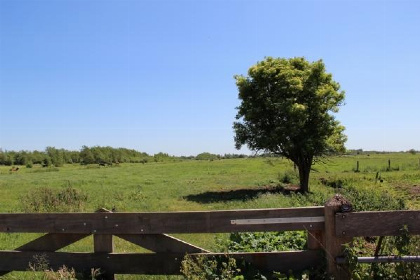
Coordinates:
52	156
58	157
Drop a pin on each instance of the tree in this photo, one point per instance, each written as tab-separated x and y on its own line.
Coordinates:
287	108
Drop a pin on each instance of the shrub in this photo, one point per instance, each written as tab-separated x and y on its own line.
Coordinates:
288	177
266	241
45	199
212	268
372	199
399	245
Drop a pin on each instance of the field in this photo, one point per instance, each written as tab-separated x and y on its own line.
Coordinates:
204	185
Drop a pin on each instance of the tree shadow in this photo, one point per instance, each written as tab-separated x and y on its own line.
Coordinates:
240	194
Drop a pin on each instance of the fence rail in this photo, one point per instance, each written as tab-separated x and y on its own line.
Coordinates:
172	222
379	223
329	228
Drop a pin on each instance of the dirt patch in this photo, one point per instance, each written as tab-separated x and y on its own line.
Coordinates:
415	191
412	190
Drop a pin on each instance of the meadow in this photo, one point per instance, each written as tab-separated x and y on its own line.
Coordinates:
246	183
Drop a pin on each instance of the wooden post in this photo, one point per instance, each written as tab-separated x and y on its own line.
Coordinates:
334	244
357	166
103	243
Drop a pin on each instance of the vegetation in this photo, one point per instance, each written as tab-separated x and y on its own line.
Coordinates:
184	184
286	109
403	245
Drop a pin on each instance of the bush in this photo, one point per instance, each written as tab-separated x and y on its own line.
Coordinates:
212	268
371	199
288	177
45	199
399	246
265	241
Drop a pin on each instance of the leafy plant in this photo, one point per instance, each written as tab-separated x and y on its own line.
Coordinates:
288	177
45	199
404	244
266	241
211	268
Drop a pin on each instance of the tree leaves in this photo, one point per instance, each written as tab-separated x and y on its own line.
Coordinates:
286	108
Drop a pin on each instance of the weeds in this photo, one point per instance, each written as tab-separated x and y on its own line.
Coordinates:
265	241
404	244
41	264
211	268
45	199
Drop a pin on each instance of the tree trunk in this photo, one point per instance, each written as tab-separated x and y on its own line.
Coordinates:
304	170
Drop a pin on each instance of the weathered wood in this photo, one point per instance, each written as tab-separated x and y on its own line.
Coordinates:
315	239
377	223
152	223
160	263
103	243
334	244
49	242
161	243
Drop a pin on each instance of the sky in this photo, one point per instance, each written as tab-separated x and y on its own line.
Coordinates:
157	76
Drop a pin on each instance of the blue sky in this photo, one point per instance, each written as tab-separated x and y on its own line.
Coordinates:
157	76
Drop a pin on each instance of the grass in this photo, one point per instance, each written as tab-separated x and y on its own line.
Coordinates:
203	185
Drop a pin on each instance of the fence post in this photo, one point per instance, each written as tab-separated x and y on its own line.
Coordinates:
103	243
334	244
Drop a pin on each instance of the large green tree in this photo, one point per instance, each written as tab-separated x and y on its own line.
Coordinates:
287	108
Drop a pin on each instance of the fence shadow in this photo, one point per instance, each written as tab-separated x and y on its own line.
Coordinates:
240	194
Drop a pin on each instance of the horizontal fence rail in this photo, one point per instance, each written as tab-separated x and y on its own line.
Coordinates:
154	264
174	222
378	223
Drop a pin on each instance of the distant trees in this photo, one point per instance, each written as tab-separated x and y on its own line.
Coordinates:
52	156
207	156
59	157
109	155
412	151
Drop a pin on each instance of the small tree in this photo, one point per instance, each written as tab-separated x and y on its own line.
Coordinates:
286	109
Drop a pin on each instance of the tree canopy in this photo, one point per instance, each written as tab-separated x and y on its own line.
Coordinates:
287	108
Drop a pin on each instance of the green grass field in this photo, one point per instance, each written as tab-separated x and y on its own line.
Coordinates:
204	185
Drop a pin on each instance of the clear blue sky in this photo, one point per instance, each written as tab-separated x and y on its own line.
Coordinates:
158	75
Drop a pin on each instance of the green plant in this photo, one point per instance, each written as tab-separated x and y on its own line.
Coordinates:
45	199
211	268
404	244
265	241
39	262
370	199
288	177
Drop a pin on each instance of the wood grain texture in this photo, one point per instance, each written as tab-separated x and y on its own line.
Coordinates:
154	264
155	223
378	223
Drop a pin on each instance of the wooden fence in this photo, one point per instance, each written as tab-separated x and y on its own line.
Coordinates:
329	227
